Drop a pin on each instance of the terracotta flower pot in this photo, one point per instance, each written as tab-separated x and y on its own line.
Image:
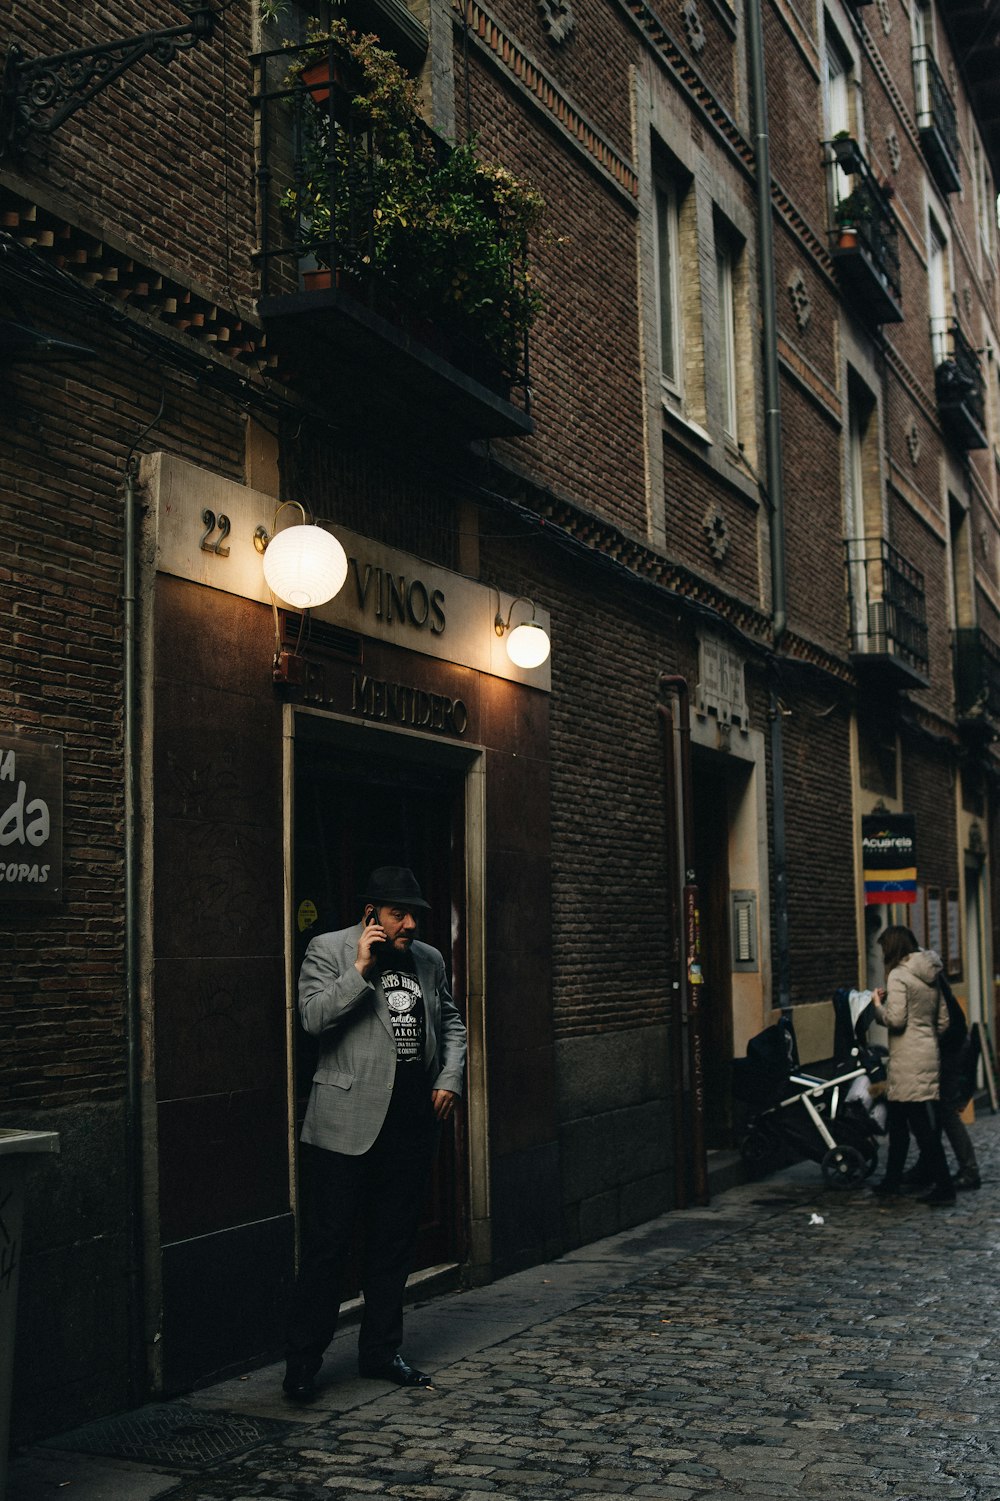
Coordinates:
318	76
317	281
848	237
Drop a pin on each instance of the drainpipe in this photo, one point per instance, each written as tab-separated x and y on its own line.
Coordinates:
133	1103
678	1073
137	1377
691	976
774	478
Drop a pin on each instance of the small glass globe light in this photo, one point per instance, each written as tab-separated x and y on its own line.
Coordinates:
528	645
305	566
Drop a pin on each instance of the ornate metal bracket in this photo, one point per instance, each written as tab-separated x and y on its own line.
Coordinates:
38	93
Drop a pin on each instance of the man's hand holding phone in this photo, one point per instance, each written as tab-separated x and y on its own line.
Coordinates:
372	933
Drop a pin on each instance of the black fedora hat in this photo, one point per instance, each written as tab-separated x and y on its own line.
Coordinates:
394	886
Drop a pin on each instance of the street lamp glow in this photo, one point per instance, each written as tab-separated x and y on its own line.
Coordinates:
305	566
527	645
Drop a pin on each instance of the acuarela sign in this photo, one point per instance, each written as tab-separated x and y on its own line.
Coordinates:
30	818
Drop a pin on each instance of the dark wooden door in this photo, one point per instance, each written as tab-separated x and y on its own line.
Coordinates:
711	849
352	815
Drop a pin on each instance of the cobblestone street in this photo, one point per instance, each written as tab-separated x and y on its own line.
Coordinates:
739	1350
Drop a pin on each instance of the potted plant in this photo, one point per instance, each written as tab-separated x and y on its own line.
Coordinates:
846	152
438	235
852	214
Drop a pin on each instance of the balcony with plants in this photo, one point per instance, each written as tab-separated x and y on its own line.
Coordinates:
959	385
937	121
864	240
888	614
394	270
977	680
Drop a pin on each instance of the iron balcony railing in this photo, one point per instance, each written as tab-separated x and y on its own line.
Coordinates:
959	384
318	202
864	238
937	120
977	674
888	604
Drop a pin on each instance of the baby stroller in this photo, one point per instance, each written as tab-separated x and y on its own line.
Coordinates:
799	1114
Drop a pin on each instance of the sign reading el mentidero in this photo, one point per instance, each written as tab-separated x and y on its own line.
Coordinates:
30	818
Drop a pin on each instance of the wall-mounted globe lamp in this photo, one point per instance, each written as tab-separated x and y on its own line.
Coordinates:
527	644
304	566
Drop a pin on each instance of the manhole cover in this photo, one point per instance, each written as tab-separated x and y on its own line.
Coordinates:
172	1434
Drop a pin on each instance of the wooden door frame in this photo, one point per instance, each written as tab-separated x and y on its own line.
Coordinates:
413	747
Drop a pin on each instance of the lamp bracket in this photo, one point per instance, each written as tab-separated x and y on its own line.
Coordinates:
502	626
262	536
37	94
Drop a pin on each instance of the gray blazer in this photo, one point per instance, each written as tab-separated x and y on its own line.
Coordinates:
352	1085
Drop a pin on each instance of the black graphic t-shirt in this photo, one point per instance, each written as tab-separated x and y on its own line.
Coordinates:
406	1008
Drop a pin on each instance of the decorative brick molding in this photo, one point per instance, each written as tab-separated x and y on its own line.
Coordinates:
893	147
913	441
692	25
505	51
889	84
557	18
925	401
716	529
686	78
798	292
799	226
540	508
801	649
92	260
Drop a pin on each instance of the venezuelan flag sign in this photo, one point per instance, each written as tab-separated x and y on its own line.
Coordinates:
889	857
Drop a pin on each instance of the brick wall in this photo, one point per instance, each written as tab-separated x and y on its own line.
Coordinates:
173	143
585	379
821	884
62	1005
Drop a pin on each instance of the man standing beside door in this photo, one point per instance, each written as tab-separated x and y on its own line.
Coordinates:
391	1067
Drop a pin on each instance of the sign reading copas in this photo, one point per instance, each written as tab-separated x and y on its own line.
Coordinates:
31	818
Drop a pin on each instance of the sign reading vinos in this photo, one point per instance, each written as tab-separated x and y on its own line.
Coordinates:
204	525
31	818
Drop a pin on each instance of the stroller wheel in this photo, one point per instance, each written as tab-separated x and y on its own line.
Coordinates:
758	1152
843	1167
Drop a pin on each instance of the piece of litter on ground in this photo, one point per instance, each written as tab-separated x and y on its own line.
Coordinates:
816	1219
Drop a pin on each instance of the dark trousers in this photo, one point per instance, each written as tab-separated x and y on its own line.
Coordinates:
923	1118
383	1189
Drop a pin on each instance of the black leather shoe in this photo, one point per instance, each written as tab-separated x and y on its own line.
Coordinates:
300	1377
967	1178
938	1198
396	1370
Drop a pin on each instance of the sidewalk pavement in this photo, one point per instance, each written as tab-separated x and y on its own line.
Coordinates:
786	1341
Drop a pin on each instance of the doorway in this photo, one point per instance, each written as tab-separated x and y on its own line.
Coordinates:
975	969
355	811
711	849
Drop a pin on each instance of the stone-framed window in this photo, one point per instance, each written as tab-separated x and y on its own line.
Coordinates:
728	254
667	195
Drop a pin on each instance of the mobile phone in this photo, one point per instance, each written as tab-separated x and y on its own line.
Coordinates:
372	917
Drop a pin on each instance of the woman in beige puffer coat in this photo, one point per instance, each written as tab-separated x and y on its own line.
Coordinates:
914	1010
